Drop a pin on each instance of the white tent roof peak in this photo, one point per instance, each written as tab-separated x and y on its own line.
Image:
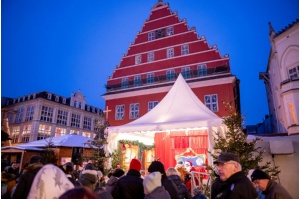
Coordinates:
180	108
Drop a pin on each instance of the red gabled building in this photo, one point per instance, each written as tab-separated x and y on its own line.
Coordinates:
164	48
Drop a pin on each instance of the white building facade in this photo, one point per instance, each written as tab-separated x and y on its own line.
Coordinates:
282	79
44	114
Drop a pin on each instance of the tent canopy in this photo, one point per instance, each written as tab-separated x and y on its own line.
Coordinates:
179	109
71	140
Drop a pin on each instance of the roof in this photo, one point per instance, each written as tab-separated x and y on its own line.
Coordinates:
25	148
71	140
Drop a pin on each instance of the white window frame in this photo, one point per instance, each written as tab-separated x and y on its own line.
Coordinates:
150	78
44	132
211	102
15	134
293	72
134	110
138	59
201	70
151	105
137	81
170	52
120	112
87	123
29	113
185	49
124	83
62	117
19	116
75	120
60	131
186	72
150	57
26	133
170	75
46	114
170	31
151	36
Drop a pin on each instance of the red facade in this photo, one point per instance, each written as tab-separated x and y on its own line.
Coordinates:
164	48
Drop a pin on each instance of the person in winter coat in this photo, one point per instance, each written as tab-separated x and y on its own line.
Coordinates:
231	183
183	191
8	181
111	183
130	186
270	188
88	178
166	182
27	177
153	188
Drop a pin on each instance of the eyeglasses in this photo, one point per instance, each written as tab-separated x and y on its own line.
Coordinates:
221	165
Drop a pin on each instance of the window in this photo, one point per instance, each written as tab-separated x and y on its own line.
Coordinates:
170	31
75	120
75	104
10	118
49	96
29	113
294	73
211	101
201	70
72	131
79	106
46	114
185	49
170	75
15	134
137	80
120	112
44	132
170	52
56	98
159	33
151	36
186	73
150	78
150	56
64	100
134	111
124	83
60	131
26	133
62	117
86	134
87	123
151	105
19	116
138	59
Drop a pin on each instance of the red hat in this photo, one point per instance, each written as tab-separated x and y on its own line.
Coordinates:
135	164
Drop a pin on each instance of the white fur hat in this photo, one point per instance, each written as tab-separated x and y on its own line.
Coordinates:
50	182
152	181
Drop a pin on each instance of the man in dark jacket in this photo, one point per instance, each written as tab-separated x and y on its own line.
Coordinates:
27	177
130	186
166	182
269	187
231	183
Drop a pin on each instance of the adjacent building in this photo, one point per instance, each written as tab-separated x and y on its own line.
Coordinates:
165	47
44	114
282	80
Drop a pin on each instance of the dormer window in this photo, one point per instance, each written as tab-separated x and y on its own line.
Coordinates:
93	110
64	100
49	96
88	108
28	97
79	106
23	98
75	104
34	95
56	98
19	99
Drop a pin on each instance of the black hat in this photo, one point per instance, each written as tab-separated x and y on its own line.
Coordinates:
156	166
225	157
258	175
35	159
118	173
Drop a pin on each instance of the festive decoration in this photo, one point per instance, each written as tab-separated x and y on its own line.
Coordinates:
141	146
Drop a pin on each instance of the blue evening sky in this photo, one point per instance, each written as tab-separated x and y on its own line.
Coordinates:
64	45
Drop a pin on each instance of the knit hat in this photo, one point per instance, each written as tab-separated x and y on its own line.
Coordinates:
88	177
50	182
152	181
118	173
198	190
258	175
135	164
156	166
225	157
89	166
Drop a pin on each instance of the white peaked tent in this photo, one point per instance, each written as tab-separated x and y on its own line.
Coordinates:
179	109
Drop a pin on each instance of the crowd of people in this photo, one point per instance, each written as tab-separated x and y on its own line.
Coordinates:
38	181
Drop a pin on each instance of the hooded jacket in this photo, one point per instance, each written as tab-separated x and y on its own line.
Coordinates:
276	191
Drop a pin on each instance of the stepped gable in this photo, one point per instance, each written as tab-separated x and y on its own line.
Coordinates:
160	20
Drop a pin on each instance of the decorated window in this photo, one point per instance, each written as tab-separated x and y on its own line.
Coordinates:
151	105
44	132
60	131
170	75
29	113
62	117
202	70
134	111
184	49
150	78
124	83
211	101
186	73
120	112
